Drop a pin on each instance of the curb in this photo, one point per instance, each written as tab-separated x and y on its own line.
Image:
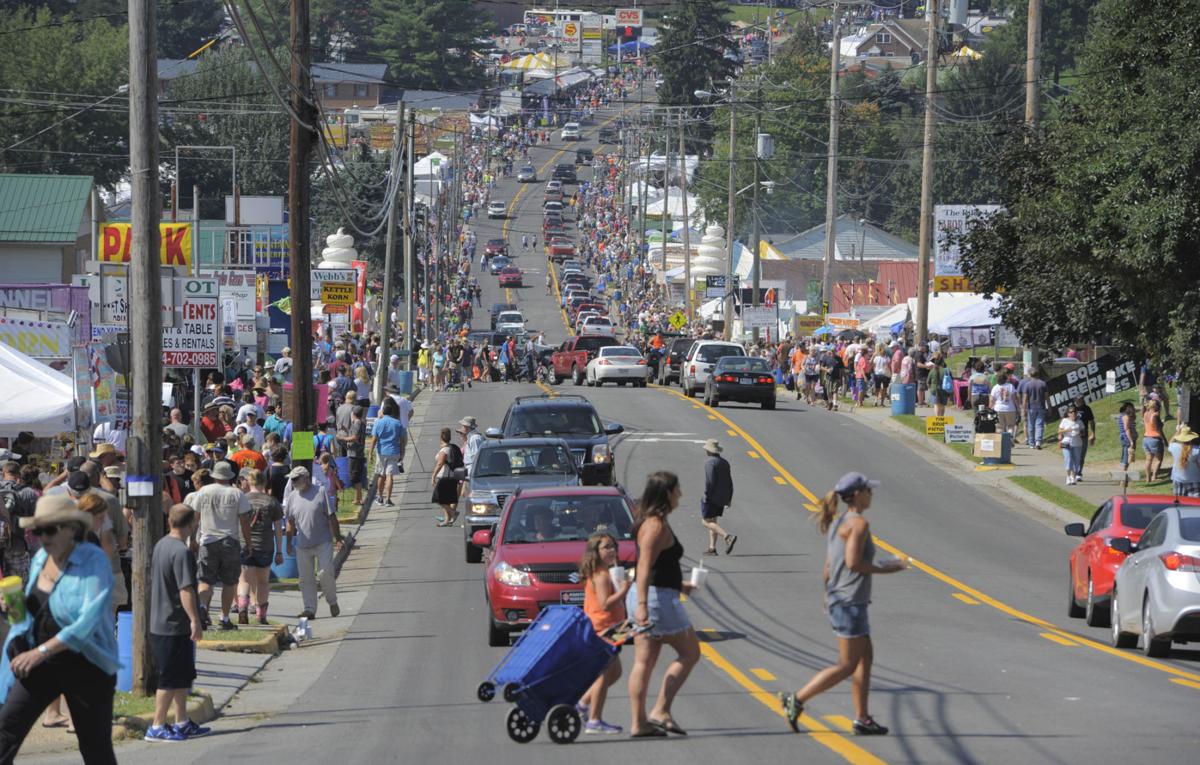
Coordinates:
269	644
200	711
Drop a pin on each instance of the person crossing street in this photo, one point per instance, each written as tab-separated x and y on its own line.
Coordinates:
718	493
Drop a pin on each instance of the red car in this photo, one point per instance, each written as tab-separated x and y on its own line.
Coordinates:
510	276
533	554
1094	563
496	247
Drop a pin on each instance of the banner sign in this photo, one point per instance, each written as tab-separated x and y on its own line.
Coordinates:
36	339
174	247
195	340
759	316
1093	381
950	222
806	325
952	284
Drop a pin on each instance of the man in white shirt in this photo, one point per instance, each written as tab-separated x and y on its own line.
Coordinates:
283	366
221	536
402	401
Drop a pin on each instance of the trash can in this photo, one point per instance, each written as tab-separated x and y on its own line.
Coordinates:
406	383
904	398
343	469
125	651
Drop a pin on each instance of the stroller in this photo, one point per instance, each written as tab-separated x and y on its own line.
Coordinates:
454	379
547	671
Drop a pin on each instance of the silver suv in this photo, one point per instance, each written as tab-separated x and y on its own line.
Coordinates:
700	359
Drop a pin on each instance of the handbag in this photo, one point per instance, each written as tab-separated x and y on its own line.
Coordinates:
947	381
789	381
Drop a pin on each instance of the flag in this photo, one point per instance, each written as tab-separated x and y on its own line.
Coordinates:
284	304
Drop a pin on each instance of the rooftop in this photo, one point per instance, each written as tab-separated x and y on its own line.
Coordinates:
42	208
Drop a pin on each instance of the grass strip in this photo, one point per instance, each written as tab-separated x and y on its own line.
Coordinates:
1056	494
917	423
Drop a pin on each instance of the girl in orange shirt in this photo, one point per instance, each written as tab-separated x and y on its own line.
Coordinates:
605	606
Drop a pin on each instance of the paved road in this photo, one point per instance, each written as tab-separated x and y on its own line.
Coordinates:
975	659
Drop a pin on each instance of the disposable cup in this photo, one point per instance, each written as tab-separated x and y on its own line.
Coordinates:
13	593
699	574
617	574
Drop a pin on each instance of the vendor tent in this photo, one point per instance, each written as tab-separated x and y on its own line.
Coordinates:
430	165
531	61
33	397
961	309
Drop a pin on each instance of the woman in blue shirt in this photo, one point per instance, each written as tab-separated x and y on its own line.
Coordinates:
66	643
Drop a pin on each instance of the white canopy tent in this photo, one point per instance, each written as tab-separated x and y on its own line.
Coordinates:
430	165
33	397
883	321
977	314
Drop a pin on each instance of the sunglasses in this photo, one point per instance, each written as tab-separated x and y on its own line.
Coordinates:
46	531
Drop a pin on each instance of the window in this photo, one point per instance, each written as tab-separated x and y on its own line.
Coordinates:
523	460
1139	516
360	90
1189	528
1103	517
883	38
711	353
567	519
330	91
1155	532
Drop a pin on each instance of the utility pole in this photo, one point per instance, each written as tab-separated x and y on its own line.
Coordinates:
687	225
144	447
731	213
299	187
756	235
831	172
666	228
1033	76
926	230
389	260
410	294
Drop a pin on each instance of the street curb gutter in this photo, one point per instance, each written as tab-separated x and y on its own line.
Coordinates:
1001	482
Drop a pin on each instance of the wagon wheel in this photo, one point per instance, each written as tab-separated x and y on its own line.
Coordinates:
486	691
511	692
563	724
522	728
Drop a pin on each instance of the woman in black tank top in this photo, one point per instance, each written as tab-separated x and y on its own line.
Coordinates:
655	601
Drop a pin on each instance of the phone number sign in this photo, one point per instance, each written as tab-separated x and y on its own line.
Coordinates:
195	340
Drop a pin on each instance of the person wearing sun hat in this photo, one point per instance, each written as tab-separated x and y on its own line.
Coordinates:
65	644
1185	462
718	493
223	535
849	567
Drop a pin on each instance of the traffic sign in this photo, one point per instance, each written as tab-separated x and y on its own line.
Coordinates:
678	320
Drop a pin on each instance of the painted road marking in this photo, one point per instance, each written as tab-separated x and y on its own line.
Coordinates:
762	674
839	721
779	480
819	732
1185	683
547	390
732	433
969	601
754	455
1054	638
811	508
712	417
961	586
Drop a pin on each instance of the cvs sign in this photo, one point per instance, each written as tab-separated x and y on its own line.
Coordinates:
629	17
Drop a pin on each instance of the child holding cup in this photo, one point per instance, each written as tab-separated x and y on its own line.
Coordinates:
605	587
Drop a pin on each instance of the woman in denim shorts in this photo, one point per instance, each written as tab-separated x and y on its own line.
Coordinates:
655	602
849	566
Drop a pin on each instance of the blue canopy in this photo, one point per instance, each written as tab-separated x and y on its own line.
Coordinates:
633	46
825	330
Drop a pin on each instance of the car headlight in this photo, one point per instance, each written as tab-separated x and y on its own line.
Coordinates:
483	508
600	453
513	577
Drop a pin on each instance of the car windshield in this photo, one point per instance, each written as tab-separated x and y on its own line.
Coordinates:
527	169
495	243
510	317
1189	527
566	519
742	364
620	350
1138	516
711	353
554	421
592	343
598	321
545	459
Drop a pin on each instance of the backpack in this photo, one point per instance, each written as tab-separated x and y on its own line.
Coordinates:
455	463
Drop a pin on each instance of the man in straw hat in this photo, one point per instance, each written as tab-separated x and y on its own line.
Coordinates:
1185	462
718	493
468	430
222	535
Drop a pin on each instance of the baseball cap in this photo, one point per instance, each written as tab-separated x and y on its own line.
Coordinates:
852	482
78	481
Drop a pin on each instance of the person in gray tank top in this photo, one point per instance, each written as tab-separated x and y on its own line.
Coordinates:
849	566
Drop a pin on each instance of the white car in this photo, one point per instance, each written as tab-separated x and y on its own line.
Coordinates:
497	209
597	325
701	357
510	323
570	131
553	185
620	364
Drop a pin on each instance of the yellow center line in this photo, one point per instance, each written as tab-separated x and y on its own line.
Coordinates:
954	583
839	721
779	480
1185	683
762	674
965	599
1055	638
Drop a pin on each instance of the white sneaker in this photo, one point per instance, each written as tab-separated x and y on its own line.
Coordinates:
1070	480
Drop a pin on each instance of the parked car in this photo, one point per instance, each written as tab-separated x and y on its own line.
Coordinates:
527	174
554	184
552	195
740	378
572	418
1156	595
533	554
561	248
700	360
565	172
510	277
609	134
1092	565
570	131
497	209
505	467
511	323
620	364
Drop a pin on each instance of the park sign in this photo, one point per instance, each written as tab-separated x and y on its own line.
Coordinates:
174	244
1093	381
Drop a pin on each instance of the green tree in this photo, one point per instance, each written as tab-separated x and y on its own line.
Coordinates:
63	113
363	177
427	43
1064	31
1100	232
690	54
183	27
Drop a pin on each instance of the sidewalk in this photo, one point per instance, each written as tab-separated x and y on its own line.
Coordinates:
1101	479
223	673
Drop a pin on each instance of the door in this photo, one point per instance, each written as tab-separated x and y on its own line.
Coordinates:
1086	556
1135	570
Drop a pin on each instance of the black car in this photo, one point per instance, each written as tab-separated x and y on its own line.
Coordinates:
673	356
740	378
571	418
499	308
479	337
565	172
609	135
584	156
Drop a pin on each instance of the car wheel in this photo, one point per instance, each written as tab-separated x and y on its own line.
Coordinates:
497	637
576	375
769	404
472	553
1152	645
1094	615
689	390
1074	610
1120	638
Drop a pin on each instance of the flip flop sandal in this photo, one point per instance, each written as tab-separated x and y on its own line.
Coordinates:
669	726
